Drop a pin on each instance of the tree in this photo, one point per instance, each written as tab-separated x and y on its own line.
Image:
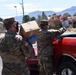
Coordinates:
44	16
32	18
38	19
53	14
74	14
1	19
49	16
67	15
26	18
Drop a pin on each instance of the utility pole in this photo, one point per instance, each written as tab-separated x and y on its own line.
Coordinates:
22	5
23	8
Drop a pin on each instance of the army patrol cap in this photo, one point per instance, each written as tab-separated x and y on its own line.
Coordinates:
43	23
8	22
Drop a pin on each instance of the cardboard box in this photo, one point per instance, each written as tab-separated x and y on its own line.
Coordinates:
28	29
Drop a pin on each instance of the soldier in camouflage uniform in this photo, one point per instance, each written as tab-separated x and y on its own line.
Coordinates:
45	48
13	50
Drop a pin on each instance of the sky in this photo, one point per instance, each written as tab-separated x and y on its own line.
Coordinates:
9	8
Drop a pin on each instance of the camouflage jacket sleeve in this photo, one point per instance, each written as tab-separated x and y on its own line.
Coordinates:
56	33
28	51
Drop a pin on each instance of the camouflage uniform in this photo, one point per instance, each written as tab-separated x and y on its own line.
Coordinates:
45	50
13	52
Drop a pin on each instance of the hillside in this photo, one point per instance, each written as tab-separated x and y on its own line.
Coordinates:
70	10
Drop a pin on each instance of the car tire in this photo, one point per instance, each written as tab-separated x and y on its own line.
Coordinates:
66	68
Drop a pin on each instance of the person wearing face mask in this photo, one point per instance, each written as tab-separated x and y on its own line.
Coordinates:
45	47
13	50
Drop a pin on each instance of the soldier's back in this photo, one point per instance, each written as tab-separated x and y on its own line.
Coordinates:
12	58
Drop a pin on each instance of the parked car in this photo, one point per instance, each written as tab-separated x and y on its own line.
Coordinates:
64	55
33	63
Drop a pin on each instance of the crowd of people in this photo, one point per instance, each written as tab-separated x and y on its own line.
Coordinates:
57	21
14	48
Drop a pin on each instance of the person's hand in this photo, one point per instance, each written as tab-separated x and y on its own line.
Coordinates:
63	29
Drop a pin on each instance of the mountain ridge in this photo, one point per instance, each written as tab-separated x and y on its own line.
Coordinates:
70	10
